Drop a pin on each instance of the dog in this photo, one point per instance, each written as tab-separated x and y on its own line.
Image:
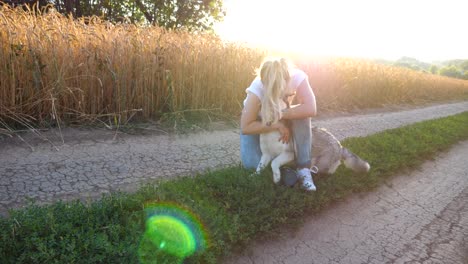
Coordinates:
327	154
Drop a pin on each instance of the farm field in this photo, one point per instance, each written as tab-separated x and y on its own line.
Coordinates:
56	72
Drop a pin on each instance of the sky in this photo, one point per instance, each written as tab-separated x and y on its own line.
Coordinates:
426	30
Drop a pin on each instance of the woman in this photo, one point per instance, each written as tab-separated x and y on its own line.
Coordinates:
276	77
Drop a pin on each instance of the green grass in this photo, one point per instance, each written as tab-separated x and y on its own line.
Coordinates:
232	207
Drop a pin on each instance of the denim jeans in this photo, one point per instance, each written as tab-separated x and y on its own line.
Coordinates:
301	129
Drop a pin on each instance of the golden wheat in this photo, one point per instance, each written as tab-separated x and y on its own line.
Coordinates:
54	67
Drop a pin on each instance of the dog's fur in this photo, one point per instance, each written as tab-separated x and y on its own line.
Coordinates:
327	153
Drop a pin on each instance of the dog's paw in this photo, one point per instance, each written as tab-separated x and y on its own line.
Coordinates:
276	178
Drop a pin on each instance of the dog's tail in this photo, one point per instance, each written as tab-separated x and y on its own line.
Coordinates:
353	162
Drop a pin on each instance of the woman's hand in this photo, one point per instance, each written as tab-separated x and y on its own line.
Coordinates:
284	131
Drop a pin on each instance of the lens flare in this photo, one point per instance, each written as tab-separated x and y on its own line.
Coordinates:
172	233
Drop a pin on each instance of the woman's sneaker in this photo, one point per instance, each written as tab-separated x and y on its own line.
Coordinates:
306	177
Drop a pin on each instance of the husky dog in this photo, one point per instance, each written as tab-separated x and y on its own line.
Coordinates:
327	153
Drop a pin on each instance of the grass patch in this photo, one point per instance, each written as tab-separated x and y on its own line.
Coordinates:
229	206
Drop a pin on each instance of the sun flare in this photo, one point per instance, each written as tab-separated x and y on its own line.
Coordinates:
428	30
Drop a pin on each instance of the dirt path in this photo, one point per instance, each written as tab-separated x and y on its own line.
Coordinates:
92	162
420	217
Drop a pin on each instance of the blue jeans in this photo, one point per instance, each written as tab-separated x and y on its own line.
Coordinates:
301	129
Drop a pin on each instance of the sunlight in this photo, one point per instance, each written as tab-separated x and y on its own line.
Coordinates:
427	30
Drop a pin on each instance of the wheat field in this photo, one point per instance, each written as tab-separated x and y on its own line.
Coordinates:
54	69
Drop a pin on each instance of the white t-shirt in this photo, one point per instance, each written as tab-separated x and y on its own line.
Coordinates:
256	87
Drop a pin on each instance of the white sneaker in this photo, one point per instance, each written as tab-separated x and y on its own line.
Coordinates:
306	177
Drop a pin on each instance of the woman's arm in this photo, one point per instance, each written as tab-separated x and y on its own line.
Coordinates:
305	105
250	124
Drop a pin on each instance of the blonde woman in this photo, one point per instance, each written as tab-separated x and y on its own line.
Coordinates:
278	79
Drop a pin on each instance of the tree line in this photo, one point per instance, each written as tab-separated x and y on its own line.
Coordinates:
450	68
172	14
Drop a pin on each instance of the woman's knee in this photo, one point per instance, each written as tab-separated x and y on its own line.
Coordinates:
302	131
250	151
301	124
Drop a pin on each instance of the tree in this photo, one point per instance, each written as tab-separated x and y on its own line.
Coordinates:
465	75
174	14
464	65
189	14
450	71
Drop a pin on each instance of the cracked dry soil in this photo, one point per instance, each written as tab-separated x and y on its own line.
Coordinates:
422	218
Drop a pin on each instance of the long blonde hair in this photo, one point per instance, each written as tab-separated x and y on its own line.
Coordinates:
274	73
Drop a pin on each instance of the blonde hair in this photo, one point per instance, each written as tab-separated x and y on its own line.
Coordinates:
274	74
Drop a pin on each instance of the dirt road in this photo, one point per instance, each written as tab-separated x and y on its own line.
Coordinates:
420	217
92	162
